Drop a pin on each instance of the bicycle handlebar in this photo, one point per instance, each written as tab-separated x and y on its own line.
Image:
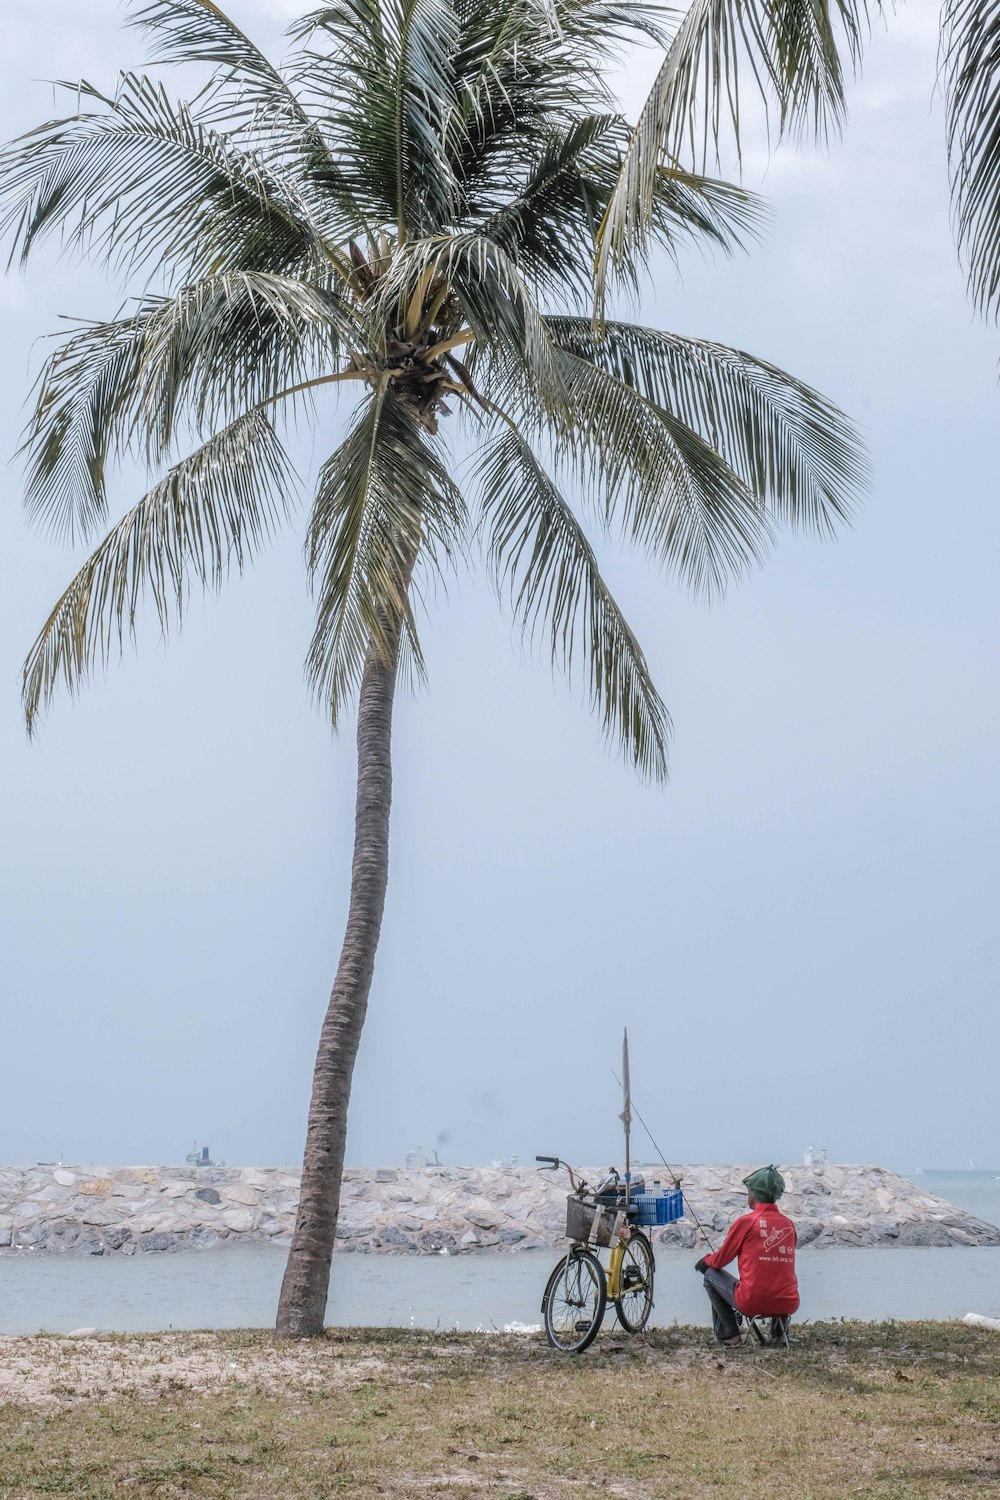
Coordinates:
553	1163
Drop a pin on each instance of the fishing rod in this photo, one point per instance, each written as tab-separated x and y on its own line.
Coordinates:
676	1180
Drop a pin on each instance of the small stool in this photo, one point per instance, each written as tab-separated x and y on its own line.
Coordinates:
778	1338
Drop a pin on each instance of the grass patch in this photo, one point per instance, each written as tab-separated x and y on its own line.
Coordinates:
883	1411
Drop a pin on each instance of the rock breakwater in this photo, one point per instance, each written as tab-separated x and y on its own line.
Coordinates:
125	1210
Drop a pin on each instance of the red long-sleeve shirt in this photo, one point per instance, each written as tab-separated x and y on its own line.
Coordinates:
763	1244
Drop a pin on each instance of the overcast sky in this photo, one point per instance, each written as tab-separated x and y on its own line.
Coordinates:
800	931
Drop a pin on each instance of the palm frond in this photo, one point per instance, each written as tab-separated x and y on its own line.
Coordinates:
525	64
426	34
647	473
218	348
794	450
971	70
343	72
793	52
523	68
198	31
672	493
384	499
565	195
540	226
378	73
689	208
83	394
233	342
139	178
207	515
612	27
537	549
255	103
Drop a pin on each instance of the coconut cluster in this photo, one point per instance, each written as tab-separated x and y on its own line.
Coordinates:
415	354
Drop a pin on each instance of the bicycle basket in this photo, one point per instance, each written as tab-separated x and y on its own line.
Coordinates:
589	1223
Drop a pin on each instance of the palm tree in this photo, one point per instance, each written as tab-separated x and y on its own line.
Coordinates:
409	212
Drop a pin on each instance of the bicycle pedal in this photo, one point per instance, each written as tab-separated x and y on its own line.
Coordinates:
582	1325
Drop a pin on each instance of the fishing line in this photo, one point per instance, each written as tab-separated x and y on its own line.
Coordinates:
688	1210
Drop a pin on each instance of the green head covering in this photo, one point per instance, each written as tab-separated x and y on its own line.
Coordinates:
766	1184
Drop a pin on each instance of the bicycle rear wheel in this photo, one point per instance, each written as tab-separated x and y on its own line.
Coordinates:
635	1303
574	1300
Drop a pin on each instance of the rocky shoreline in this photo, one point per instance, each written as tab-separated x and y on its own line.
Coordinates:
453	1210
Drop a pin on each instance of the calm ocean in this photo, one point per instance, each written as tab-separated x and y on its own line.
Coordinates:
238	1287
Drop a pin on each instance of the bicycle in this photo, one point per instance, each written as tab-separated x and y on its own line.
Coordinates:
579	1289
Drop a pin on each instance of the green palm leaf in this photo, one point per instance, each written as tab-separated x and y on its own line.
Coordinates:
791	51
537	548
82	398
217	348
495	299
140	177
791	447
646	472
236	341
209	513
971	68
197	31
382	83
689	208
426	34
384	500
671	491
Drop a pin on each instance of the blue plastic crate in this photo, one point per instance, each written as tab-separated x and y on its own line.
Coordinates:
659	1208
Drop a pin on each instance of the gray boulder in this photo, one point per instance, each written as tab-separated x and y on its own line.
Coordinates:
157	1242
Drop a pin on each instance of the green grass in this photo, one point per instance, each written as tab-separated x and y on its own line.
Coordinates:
883	1411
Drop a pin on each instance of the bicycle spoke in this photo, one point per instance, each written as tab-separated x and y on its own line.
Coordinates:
574	1302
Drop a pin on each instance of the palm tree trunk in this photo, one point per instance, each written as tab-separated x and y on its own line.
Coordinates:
302	1304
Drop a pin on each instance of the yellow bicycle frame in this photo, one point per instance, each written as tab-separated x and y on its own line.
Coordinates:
614	1273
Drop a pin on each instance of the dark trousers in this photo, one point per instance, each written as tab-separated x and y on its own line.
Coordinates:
721	1289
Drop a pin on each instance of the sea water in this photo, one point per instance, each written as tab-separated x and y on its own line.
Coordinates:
237	1286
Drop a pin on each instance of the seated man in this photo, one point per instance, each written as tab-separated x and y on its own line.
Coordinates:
763	1244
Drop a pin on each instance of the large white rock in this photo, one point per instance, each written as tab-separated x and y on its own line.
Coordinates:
238	1219
236	1193
481	1212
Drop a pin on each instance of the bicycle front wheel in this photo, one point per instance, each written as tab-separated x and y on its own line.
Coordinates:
635	1303
574	1300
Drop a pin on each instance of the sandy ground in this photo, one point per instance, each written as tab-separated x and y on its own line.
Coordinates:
58	1370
